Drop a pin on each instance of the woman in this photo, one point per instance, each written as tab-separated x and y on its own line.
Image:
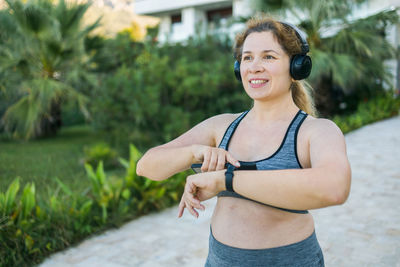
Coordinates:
261	216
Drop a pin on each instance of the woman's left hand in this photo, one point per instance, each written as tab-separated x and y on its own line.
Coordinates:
200	187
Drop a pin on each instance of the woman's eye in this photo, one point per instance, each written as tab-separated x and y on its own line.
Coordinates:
269	57
247	58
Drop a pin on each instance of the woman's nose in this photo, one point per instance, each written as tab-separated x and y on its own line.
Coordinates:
256	66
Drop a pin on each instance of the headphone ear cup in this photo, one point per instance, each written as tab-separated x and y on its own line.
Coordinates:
236	69
300	67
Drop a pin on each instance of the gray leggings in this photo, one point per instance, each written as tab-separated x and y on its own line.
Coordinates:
306	253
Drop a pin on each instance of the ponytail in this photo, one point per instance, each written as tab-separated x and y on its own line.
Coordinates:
301	94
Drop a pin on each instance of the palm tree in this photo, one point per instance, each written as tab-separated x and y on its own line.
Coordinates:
348	53
43	46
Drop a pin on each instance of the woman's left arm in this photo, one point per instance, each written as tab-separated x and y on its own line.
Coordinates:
326	183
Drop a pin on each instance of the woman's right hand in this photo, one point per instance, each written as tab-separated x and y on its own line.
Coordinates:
213	158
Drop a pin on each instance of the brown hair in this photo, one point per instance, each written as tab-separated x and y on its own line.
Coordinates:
290	43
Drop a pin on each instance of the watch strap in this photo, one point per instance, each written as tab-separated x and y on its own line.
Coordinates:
229	177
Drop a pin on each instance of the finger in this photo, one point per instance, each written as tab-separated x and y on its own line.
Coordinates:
213	161
181	208
232	160
188	187
191	188
221	160
192	210
190	194
201	207
189	200
206	161
196	206
194	202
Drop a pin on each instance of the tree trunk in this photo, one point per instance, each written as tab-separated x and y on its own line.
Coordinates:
327	98
52	122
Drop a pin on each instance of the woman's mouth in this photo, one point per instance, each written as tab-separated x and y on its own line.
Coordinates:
257	83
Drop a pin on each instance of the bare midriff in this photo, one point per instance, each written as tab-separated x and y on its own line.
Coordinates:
246	224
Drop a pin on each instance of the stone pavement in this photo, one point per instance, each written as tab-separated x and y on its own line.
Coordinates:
365	231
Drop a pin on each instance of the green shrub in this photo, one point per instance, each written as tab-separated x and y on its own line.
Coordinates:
33	227
100	152
384	106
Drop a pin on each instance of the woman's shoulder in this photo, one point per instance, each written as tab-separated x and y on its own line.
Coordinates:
222	120
320	126
225	117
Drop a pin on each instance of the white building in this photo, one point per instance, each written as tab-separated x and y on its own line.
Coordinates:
180	19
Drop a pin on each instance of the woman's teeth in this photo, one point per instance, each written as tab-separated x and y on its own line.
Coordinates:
257	81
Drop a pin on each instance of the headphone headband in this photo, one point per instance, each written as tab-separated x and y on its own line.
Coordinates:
301	35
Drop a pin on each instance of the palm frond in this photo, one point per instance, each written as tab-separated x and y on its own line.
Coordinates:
82	101
378	21
365	37
321	64
24	117
86	30
346	70
69	17
8	27
342	68
31	18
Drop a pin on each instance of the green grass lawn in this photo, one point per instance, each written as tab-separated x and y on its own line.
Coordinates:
41	161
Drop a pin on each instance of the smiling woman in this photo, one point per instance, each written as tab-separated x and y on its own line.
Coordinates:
298	162
296	48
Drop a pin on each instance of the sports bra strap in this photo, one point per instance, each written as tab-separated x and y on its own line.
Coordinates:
232	127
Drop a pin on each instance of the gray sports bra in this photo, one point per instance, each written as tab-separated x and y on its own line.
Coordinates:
284	158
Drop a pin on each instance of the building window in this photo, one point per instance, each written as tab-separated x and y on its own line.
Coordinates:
176	18
216	15
177	28
218	19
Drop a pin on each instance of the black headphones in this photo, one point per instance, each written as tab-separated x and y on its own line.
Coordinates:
300	64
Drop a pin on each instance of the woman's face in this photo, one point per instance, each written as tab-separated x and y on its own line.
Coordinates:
264	67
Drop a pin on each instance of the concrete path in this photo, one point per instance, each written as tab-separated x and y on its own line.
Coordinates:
365	231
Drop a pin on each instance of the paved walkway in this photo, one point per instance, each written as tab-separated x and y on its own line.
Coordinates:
365	231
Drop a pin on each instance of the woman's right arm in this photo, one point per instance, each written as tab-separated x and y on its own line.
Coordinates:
194	146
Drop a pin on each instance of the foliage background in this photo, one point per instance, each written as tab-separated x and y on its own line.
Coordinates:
156	91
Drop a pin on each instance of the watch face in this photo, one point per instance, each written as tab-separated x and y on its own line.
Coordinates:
196	167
